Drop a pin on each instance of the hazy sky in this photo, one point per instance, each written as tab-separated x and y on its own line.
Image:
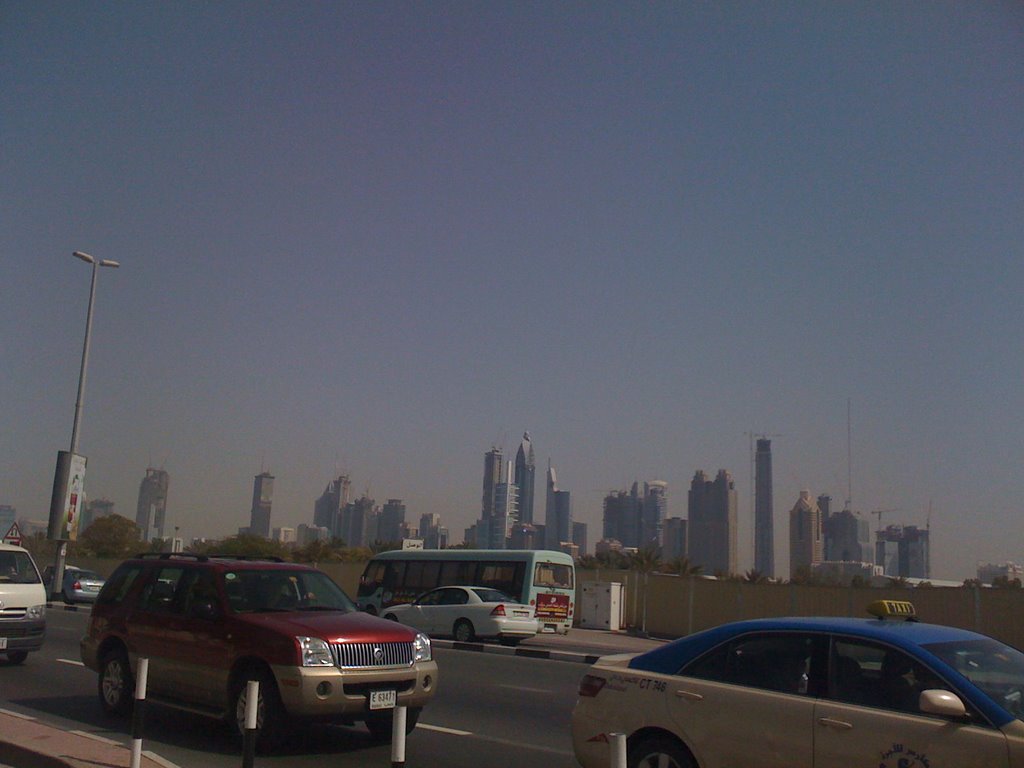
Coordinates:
379	238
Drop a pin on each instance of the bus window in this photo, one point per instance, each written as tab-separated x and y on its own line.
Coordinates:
394	577
421	575
457	573
553	575
505	577
372	578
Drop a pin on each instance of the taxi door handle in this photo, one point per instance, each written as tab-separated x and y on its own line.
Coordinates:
842	725
689	696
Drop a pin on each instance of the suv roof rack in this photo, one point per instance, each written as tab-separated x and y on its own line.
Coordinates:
171	555
261	558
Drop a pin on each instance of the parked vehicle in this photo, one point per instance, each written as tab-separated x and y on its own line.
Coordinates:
210	624
79	585
822	691
22	604
468	613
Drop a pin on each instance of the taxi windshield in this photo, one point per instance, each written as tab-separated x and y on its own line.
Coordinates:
996	669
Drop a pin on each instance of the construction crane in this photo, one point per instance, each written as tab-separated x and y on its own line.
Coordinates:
880	512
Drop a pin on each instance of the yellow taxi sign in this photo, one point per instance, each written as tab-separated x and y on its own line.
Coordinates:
892	609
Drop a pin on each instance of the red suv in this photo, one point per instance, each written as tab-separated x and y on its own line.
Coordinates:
208	624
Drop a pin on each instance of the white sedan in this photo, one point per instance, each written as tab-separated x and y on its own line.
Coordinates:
467	613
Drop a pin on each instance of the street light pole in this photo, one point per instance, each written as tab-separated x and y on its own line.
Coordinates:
57	584
85	346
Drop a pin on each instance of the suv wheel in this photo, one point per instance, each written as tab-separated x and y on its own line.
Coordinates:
116	685
381	726
270	714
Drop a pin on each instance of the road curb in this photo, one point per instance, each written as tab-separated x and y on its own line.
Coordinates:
529	653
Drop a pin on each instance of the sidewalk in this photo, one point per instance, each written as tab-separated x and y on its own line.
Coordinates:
26	742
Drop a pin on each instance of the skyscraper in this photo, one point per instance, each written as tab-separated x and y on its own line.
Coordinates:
262	496
621	521
847	535
806	540
652	512
558	514
327	509
903	550
152	507
392	528
525	479
493	465
712	522
764	515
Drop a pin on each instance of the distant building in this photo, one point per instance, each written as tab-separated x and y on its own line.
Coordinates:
357	525
94	510
903	551
806	540
391	527
635	519
653	511
847	535
262	498
558	514
844	572
764	512
673	537
433	534
1005	572
579	538
711	534
284	535
525	479
307	534
524	536
151	509
607	545
327	509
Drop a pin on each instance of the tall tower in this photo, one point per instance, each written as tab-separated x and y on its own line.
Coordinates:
152	506
524	479
558	514
712	522
764	515
492	476
653	513
262	496
806	539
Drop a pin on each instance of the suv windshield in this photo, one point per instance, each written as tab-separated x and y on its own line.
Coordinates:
17	568
995	668
258	591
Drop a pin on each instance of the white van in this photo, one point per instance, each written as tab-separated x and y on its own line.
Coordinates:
22	604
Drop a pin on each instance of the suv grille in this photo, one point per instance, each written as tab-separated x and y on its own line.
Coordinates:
371	655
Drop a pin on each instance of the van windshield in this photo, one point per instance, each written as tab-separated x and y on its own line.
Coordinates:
17	568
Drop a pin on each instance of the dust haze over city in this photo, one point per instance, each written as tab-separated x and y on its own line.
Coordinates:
379	239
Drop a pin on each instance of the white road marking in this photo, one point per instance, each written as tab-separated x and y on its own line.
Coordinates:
524	688
440	729
72	662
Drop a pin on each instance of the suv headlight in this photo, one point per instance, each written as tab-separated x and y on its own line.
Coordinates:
315	652
421	647
36	612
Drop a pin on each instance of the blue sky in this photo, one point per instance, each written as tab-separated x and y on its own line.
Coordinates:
381	238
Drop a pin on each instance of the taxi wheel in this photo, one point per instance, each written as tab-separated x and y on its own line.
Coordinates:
463	631
658	752
271	718
116	684
381	726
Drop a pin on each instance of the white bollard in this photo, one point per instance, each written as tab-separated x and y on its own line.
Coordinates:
139	711
252	703
398	738
617	742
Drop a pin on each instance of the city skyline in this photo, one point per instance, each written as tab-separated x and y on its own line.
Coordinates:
375	239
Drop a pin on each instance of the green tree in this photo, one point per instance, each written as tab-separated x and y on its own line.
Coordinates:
645	560
319	551
1005	582
683	567
248	545
111	536
754	576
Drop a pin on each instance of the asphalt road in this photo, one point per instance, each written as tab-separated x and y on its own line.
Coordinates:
490	710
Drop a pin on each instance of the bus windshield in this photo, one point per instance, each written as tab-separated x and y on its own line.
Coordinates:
553	575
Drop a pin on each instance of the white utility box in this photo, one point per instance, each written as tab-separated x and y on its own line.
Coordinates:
602	605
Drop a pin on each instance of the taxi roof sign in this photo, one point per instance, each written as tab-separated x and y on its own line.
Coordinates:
893	609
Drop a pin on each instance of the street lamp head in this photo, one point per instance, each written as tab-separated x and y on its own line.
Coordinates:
84	257
109	263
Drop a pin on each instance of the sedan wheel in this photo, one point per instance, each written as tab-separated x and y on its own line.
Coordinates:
658	752
463	631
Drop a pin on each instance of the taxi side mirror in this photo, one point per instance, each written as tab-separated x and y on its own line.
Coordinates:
943	703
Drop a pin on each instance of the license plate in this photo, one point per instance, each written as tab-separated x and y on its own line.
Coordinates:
383	699
521	613
3	643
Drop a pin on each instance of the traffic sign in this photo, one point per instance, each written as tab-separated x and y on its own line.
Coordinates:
13	535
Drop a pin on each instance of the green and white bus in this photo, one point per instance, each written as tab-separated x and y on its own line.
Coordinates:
542	578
